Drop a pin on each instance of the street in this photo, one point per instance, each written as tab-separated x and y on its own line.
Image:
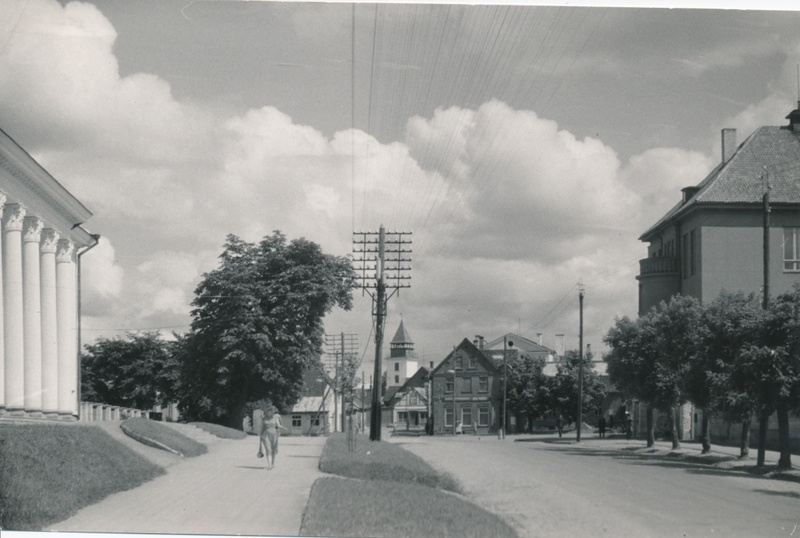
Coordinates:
549	487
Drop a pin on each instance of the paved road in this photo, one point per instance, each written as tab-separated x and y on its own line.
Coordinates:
227	491
550	488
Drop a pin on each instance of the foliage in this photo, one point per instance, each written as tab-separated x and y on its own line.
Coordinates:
257	324
526	389
45	478
561	392
138	371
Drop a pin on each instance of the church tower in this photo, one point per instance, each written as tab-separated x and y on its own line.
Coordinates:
402	358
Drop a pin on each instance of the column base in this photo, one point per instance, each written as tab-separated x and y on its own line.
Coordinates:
15	412
34	413
50	414
67	418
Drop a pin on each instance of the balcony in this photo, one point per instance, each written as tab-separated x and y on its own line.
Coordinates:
664	265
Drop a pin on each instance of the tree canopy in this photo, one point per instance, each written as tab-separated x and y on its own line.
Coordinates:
257	324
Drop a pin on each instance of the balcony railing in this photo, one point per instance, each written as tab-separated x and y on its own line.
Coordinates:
662	265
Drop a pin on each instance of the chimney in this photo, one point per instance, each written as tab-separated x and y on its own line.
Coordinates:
560	345
539	338
728	144
794	119
479	341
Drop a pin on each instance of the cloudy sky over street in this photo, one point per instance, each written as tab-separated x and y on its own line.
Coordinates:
526	147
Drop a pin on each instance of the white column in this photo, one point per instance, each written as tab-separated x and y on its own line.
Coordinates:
66	311
2	340
13	216
32	314
49	323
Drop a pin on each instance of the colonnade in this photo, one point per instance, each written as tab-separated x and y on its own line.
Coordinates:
38	316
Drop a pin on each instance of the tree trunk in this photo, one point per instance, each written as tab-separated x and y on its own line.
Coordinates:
744	442
673	428
784	444
651	433
706	432
763	422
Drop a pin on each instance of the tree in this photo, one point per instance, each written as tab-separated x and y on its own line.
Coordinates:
677	329
716	379
631	362
138	371
257	324
526	386
563	388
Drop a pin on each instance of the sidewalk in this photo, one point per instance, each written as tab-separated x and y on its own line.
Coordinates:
226	491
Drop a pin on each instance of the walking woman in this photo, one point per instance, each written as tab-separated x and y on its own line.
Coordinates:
270	432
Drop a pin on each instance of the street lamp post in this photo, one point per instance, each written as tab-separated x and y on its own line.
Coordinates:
453	371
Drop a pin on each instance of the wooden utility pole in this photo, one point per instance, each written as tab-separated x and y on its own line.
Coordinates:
580	364
763	417
371	262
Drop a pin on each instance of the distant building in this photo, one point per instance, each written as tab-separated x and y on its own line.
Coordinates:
408	404
42	243
402	361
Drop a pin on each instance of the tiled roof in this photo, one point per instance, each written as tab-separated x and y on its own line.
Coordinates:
770	152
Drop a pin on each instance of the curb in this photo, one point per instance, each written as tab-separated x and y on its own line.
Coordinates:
147	441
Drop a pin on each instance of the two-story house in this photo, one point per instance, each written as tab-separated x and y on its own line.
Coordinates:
467	391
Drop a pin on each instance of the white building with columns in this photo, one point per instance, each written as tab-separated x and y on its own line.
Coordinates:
41	242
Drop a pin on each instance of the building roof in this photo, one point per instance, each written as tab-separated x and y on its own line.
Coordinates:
402	336
308	404
520	343
415	381
769	154
472	350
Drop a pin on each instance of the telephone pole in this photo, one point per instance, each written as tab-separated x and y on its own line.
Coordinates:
381	273
580	364
340	346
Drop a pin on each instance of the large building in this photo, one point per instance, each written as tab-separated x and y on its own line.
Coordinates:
713	238
42	243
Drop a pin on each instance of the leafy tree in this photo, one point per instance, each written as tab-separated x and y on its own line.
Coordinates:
717	381
563	388
257	324
138	371
677	342
631	362
527	386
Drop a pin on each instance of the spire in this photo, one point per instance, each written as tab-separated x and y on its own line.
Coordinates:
402	336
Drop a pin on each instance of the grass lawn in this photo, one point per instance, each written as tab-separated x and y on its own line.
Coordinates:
49	472
153	433
222	432
380	461
384	490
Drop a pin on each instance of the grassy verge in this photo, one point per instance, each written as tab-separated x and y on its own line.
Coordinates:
155	434
222	432
380	461
343	507
387	491
49	472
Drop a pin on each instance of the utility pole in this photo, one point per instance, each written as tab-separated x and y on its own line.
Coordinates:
362	400
580	364
766	239
340	346
388	273
506	345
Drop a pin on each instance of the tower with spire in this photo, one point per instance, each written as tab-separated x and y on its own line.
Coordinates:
402	362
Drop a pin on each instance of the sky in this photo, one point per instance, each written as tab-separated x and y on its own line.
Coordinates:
525	147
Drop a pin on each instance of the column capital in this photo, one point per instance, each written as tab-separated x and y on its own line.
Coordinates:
32	229
50	239
65	252
13	215
3	199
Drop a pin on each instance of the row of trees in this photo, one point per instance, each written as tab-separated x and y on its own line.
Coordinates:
733	358
532	395
257	326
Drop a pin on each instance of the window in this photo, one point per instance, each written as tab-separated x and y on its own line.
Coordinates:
472	363
791	252
483	416
448	416
466	416
466	385
692	252
685	260
402	416
397	379
315	420
459	362
397	367
297	421
449	385
483	384
413	398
